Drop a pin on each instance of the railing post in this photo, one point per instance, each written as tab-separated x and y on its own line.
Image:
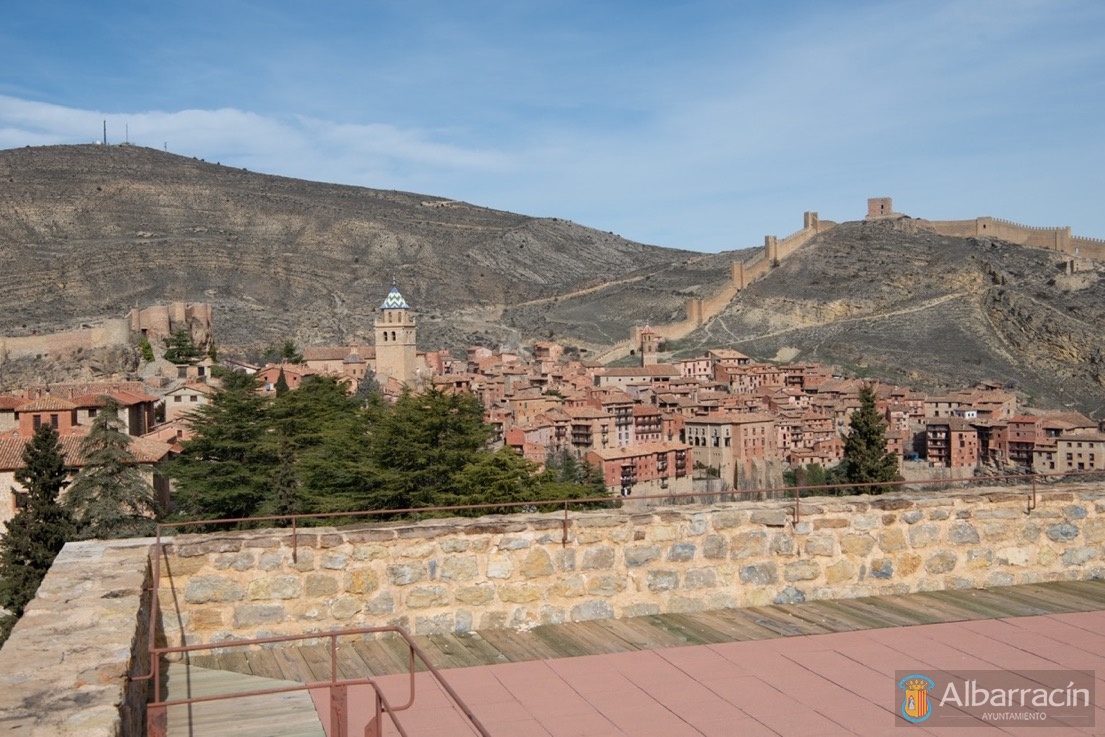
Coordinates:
797	498
339	710
564	539
1032	499
157	721
295	542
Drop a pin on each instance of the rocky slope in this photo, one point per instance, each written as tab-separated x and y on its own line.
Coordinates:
87	232
889	299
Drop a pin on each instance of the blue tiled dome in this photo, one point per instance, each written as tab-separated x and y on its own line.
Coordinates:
395	301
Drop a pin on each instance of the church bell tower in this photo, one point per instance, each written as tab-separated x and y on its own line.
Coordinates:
395	340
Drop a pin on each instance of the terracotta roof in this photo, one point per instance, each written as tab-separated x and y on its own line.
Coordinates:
641	449
46	404
7	401
658	369
145	451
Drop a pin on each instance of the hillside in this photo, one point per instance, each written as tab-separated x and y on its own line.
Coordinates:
87	232
889	299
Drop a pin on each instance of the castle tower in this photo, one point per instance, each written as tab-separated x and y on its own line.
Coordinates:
649	343
395	340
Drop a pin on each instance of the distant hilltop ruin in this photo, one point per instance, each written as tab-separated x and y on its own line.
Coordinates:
154	323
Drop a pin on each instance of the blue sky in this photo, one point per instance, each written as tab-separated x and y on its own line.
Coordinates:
701	124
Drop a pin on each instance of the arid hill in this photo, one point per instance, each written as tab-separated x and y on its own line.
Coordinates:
87	232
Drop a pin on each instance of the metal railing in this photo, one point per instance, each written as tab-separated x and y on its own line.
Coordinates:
796	493
338	688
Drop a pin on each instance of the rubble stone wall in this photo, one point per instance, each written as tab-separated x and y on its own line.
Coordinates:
520	571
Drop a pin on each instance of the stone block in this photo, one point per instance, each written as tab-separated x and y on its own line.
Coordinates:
320	585
536	564
728	519
404	574
597	609
921	536
1074	512
241	561
1012	556
252	615
829	523
1079	556
891	540
759	574
597	558
664	533
565	559
605	584
513	543
801	570
437	624
857	545
941	562
839	572
681	552
783	543
685	605
423	597
663	580
382	603
907	564
369	552
459	568
476	595
769	517
1093	530
346	607
750	544
715	547
361	581
1063	532
864	522
700	578
569	587
913	516
275	587
640	555
454	544
519	593
980	558
1000	578
270	561
500	566
789	595
334	561
641	609
304	560
822	545
882	568
939	514
962	533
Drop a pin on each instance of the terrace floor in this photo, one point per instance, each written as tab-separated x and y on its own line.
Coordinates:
823	667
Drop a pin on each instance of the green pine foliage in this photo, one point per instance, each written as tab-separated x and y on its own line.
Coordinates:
110	497
180	348
39	529
865	458
315	449
225	470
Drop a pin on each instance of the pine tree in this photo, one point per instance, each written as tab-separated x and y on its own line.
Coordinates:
225	469
281	385
865	457
110	497
40	528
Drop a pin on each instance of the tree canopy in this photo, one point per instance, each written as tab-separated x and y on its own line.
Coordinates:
40	528
316	449
865	458
110	497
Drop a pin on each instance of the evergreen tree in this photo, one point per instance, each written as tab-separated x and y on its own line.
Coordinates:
281	384
865	457
420	444
225	469
368	388
290	354
179	348
39	529
110	497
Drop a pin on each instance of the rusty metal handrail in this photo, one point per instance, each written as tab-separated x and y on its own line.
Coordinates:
157	708
784	491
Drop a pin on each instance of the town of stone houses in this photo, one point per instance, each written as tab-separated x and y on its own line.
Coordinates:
718	422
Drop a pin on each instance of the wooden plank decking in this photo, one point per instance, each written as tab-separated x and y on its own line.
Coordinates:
362	658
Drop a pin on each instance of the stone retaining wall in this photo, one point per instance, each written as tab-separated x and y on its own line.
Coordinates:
65	668
517	571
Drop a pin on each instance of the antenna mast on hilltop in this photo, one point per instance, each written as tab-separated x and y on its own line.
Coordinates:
105	132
